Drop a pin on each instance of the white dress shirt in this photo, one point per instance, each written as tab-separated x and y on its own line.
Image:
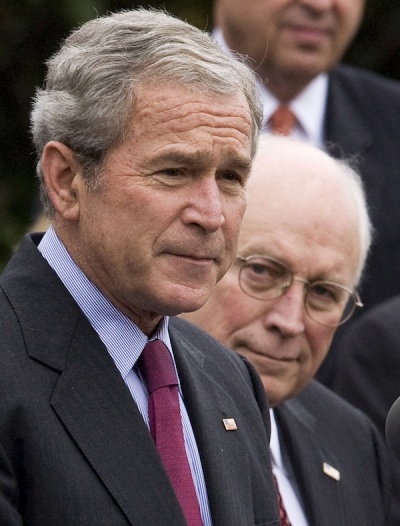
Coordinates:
309	108
290	499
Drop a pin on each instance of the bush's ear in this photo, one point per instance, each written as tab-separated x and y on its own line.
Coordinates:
63	179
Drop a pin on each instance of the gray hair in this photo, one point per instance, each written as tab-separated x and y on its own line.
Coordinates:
91	82
356	188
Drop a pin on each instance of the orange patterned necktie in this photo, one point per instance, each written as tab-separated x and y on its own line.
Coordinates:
282	121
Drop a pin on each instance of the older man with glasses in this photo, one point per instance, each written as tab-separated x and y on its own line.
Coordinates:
302	247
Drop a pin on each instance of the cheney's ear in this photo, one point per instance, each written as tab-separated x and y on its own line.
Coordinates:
63	179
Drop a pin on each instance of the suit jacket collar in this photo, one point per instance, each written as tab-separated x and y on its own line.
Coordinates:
346	133
321	495
208	403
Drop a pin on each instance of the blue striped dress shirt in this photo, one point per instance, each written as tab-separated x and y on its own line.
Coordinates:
124	342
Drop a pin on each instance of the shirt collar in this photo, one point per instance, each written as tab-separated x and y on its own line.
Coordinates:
122	338
308	106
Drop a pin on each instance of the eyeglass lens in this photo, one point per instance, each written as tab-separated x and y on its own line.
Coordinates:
264	278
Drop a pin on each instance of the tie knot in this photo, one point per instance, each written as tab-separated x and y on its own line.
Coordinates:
283	120
156	366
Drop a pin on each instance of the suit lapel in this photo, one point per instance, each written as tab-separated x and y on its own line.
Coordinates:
90	397
320	493
96	407
221	451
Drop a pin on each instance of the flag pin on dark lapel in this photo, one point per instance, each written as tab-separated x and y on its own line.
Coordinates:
331	471
230	424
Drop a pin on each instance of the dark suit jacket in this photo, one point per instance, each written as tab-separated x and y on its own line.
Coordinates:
368	375
74	449
362	122
316	427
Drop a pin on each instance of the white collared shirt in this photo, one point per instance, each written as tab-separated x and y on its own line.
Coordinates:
290	499
309	108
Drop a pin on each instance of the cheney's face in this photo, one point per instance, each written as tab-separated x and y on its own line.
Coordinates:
301	214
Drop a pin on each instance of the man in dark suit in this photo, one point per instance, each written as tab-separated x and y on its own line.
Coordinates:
295	48
302	246
145	132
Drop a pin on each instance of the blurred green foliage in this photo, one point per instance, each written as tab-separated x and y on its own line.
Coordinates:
31	30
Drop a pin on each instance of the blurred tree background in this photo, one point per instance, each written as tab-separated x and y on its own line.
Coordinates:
30	31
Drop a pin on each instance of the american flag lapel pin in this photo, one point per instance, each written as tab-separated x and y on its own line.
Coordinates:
331	471
229	424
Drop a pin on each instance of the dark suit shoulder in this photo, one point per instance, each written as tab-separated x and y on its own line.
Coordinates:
219	357
201	339
368	354
321	401
334	419
384	314
359	101
363	81
216	354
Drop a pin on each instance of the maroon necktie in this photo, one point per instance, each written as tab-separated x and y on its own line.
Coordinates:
282	512
282	121
157	369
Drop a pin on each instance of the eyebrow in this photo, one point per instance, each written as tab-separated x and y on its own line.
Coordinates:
200	158
261	253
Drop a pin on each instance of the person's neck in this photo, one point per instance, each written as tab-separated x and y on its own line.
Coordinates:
285	88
